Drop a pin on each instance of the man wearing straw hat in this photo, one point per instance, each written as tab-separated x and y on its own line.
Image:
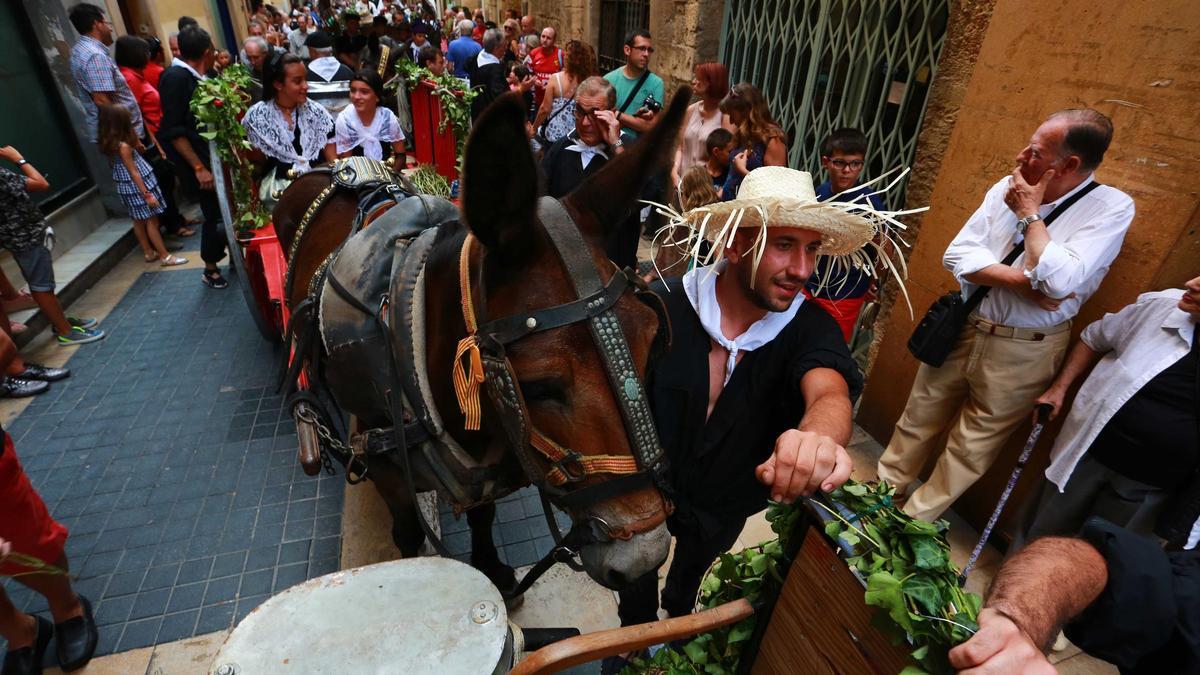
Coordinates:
753	401
1016	339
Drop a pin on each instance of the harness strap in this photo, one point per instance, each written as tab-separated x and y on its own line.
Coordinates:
301	229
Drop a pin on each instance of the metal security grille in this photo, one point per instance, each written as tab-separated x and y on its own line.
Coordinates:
825	64
618	18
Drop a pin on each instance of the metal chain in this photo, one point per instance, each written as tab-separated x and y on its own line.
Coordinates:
326	436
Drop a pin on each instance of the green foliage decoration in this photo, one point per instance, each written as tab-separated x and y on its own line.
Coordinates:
218	104
905	562
453	93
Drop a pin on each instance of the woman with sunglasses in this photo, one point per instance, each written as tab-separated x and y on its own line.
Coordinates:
364	128
758	139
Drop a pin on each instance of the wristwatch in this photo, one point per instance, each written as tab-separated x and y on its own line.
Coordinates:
22	162
620	143
1024	223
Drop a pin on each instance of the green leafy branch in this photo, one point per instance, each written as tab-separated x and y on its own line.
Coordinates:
905	562
455	96
218	104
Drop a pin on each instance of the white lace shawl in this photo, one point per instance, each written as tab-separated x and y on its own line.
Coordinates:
351	133
267	131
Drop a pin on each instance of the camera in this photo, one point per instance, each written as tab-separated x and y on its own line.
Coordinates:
651	105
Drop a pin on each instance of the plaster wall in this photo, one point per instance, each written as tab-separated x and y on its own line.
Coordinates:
1137	63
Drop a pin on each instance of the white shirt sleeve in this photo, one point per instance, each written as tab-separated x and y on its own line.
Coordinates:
969	251
1065	265
1104	334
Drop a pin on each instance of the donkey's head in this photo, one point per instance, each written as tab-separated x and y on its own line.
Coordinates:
576	404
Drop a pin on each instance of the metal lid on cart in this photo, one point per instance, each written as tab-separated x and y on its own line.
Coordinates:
421	615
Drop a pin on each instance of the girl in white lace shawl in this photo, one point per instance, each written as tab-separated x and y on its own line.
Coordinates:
288	129
364	128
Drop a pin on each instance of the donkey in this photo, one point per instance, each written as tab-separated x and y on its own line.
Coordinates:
511	269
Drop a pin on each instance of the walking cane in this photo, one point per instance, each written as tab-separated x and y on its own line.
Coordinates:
1042	411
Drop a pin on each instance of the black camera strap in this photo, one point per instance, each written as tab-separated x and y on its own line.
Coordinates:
633	93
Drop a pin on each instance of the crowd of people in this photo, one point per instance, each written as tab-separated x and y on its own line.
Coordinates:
760	326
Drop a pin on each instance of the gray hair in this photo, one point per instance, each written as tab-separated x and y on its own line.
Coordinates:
320	52
532	41
596	85
1089	133
492	38
465	27
257	41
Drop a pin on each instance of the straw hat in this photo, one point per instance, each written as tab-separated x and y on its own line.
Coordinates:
777	196
783	197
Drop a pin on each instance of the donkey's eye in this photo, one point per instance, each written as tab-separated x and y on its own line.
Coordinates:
545	390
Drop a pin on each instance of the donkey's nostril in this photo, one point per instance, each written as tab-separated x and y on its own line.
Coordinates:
616	580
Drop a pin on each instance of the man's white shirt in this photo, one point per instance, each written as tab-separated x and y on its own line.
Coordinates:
1084	240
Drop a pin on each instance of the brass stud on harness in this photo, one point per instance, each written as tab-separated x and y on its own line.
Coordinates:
531	323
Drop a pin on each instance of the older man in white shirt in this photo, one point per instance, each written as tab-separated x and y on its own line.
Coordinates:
1131	440
1016	339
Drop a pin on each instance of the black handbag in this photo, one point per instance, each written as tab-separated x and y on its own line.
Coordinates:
937	333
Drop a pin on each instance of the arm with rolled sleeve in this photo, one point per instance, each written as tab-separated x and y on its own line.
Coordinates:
969	251
1109	331
1066	265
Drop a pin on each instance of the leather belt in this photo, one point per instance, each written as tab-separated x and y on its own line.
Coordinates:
1014	333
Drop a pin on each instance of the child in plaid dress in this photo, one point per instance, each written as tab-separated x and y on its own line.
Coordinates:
135	181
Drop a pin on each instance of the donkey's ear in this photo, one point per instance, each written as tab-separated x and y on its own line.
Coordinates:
613	191
499	183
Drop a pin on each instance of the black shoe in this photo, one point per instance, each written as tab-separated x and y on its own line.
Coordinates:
15	387
28	660
213	279
34	371
173	246
77	639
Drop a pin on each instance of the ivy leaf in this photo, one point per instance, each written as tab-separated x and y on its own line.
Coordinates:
926	593
913	670
697	650
927	553
742	630
883	591
856	489
920	652
915	526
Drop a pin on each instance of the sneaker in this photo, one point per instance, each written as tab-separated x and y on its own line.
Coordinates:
35	371
77	322
80	336
213	279
15	387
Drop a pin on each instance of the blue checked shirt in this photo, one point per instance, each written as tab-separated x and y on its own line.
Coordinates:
95	71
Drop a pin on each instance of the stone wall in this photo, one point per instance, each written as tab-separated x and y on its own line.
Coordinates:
1137	63
686	32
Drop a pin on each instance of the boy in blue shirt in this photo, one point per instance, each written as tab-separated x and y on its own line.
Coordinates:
842	292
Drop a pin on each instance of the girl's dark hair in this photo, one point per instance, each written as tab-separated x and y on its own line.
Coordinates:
518	70
114	126
371	79
131	51
274	69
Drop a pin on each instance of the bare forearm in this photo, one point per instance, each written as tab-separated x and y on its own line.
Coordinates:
1036	240
1079	361
34	180
1001	276
184	148
635	123
1046	584
829	415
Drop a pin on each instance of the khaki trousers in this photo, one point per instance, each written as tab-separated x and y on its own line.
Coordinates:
983	392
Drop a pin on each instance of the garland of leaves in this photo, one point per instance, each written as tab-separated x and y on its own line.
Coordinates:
429	182
454	95
906	563
218	104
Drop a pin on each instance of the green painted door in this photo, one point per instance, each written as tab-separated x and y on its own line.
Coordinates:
32	117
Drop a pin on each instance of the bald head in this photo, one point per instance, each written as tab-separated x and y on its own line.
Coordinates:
527	25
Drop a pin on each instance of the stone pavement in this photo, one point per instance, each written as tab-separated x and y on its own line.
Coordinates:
171	460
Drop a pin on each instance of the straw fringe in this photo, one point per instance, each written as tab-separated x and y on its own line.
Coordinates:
690	230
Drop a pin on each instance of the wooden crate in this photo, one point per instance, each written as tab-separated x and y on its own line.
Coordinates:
820	623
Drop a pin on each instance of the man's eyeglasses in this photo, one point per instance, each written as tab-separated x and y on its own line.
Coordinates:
648	50
842	165
582	112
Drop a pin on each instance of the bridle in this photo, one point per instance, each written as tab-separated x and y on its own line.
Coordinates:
481	359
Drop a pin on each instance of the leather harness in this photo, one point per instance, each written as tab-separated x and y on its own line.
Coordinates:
481	362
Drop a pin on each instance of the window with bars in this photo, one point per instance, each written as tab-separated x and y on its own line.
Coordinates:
618	18
825	64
